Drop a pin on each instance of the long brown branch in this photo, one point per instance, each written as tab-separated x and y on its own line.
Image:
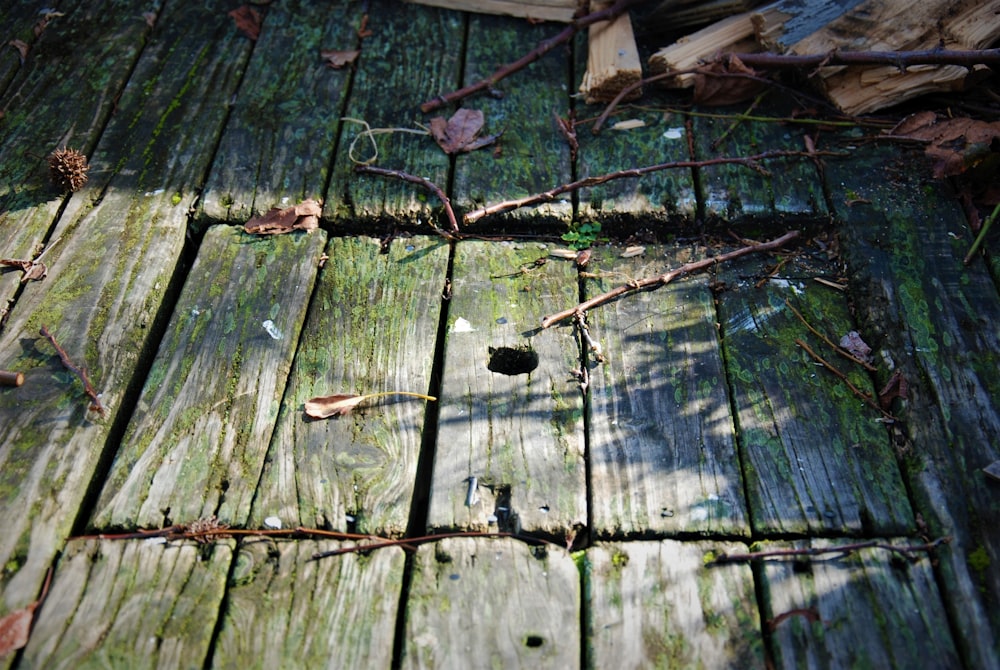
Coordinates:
543	48
752	162
667	277
900	59
80	372
844	549
427	184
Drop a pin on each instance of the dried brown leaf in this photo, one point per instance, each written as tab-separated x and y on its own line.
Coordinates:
14	629
460	133
248	21
336	59
303	216
32	269
725	82
954	144
855	346
21	46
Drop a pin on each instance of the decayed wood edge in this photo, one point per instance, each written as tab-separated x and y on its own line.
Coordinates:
134	603
510	448
492	602
546	10
372	327
780	24
732	35
662	450
932	315
284	608
218	371
612	59
657	604
870	609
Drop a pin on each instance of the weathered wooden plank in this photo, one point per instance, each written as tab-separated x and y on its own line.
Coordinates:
510	447
131	604
935	320
492	603
814	457
284	609
197	439
662	446
736	194
119	241
413	54
23	22
63	95
866	610
283	125
656	604
532	156
656	199
372	328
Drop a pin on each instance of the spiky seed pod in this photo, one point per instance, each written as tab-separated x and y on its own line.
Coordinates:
68	169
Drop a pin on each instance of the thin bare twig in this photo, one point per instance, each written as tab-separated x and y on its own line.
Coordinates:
410	542
752	162
80	372
867	399
543	48
427	184
664	279
844	549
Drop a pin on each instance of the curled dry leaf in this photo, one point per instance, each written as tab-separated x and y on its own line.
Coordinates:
460	133
340	404
248	21
725	82
22	48
15	626
35	270
303	216
954	144
335	59
854	345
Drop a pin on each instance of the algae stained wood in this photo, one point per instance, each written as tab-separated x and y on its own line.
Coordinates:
531	156
108	275
372	328
510	443
814	457
866	610
283	124
128	603
285	608
413	54
657	604
478	602
662	442
935	320
198	437
61	96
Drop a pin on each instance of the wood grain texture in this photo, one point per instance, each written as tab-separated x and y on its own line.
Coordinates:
63	95
492	603
934	320
198	437
867	610
531	156
656	604
413	53
662	445
814	457
283	124
372	328
520	435
132	603
108	275
284	609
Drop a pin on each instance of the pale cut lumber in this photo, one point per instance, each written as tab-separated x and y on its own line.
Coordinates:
732	35
131	604
492	603
657	604
198	437
612	60
546	10
287	610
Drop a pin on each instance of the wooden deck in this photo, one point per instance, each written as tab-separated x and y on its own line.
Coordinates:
703	428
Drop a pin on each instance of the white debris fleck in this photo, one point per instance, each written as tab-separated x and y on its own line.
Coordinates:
628	124
461	326
673	134
272	523
155	540
272	330
156	192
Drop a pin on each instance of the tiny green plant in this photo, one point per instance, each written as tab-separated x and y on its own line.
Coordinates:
583	235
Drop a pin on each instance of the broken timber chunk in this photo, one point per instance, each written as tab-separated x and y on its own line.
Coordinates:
612	59
545	10
732	35
782	24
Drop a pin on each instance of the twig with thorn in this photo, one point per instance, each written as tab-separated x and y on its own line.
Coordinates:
427	184
844	549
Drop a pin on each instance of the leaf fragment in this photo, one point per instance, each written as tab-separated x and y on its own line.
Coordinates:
33	270
726	82
303	216
337	59
248	21
460	133
955	144
341	404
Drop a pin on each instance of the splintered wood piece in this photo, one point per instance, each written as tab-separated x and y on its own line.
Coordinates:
657	604
510	440
543	10
196	443
731	35
613	59
781	24
662	440
493	601
833	612
283	605
137	602
372	327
